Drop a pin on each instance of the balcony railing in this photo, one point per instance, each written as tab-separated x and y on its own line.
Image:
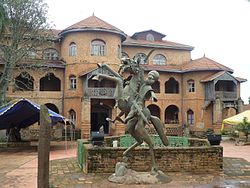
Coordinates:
107	93
226	94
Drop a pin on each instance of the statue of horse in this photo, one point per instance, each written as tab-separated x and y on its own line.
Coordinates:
130	95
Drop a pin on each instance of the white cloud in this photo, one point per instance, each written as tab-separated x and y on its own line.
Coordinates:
220	29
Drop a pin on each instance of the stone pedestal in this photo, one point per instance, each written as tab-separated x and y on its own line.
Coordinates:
123	175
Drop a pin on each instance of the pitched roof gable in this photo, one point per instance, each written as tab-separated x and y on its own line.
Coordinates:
95	71
148	31
221	73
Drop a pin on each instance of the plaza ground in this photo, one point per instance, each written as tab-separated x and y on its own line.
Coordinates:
18	169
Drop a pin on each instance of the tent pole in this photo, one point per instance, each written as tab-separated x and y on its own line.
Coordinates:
65	132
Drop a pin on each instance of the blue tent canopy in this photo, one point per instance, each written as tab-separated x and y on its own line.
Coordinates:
24	113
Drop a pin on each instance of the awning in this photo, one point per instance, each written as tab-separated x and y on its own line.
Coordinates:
237	119
24	113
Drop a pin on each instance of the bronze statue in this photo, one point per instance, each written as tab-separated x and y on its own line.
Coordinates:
130	95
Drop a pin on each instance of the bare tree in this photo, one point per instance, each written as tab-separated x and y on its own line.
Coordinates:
23	27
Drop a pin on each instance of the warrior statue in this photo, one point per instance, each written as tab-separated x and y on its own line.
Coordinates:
130	95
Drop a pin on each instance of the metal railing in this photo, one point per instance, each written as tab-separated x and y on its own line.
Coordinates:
226	94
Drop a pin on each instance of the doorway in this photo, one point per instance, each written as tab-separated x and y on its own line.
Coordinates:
99	113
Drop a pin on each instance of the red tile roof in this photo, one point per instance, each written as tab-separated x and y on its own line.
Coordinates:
201	64
204	63
218	74
213	76
93	23
157	44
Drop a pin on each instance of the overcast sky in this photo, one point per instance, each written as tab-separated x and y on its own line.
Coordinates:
220	29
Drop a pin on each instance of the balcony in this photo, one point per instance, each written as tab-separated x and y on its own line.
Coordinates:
226	95
101	93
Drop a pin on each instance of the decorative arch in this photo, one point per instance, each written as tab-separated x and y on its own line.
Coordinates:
50	83
155	110
52	107
172	115
171	86
150	37
24	82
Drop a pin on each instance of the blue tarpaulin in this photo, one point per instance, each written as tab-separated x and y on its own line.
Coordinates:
24	113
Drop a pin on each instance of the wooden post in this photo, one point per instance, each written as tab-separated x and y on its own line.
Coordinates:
43	148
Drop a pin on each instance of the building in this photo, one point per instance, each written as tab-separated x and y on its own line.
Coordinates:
199	93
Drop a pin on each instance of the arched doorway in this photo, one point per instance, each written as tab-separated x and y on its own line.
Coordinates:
52	107
171	115
50	83
99	113
154	110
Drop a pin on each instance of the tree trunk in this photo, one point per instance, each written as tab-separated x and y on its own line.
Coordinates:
43	148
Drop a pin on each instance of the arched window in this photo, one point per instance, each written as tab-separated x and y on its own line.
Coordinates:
156	86
150	37
72	49
154	110
190	117
72	117
52	107
50	83
171	115
24	82
50	54
32	54
191	86
98	48
124	55
72	82
171	86
159	60
141	58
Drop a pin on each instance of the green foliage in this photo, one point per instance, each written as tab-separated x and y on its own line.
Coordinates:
209	131
224	132
244	127
23	27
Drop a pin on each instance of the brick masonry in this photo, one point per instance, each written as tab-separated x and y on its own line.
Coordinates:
169	159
